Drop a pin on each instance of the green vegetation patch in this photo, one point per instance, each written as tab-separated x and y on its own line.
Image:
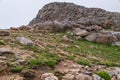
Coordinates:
110	64
17	69
2	42
104	52
83	62
46	59
104	75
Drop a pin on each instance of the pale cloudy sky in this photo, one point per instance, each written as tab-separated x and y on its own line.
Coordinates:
14	13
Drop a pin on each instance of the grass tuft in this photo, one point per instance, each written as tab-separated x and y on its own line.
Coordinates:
104	75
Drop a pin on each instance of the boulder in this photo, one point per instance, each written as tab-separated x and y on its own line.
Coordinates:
25	41
116	43
4	33
83	77
68	77
51	26
113	73
101	38
48	76
96	77
80	32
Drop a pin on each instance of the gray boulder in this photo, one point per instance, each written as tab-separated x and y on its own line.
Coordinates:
101	38
25	41
116	43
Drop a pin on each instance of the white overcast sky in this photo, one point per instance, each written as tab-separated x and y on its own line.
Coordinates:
14	13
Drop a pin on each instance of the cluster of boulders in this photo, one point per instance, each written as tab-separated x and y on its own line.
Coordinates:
91	23
77	16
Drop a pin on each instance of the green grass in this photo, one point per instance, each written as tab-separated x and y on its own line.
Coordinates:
17	69
79	48
110	64
44	58
105	52
70	57
2	42
104	75
32	48
83	62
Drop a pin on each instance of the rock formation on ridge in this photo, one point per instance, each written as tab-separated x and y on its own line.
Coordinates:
77	16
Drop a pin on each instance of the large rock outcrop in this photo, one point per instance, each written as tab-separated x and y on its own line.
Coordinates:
77	16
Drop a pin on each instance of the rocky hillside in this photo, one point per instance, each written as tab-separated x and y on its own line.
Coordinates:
64	42
75	15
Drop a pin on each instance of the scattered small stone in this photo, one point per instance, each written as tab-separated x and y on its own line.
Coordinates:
66	39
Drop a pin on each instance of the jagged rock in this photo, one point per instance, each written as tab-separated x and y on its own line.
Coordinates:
113	73
80	32
48	76
101	38
96	77
66	39
116	43
94	28
83	77
51	26
3	67
117	34
51	78
4	33
25	28
78	37
77	16
68	77
25	41
28	75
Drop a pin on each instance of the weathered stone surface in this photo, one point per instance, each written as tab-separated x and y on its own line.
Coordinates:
116	43
28	75
96	77
113	73
4	33
68	77
77	16
3	67
25	27
83	77
66	39
51	26
48	76
25	41
80	32
101	38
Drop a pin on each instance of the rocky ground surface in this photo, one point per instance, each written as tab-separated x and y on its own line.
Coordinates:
64	42
30	54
